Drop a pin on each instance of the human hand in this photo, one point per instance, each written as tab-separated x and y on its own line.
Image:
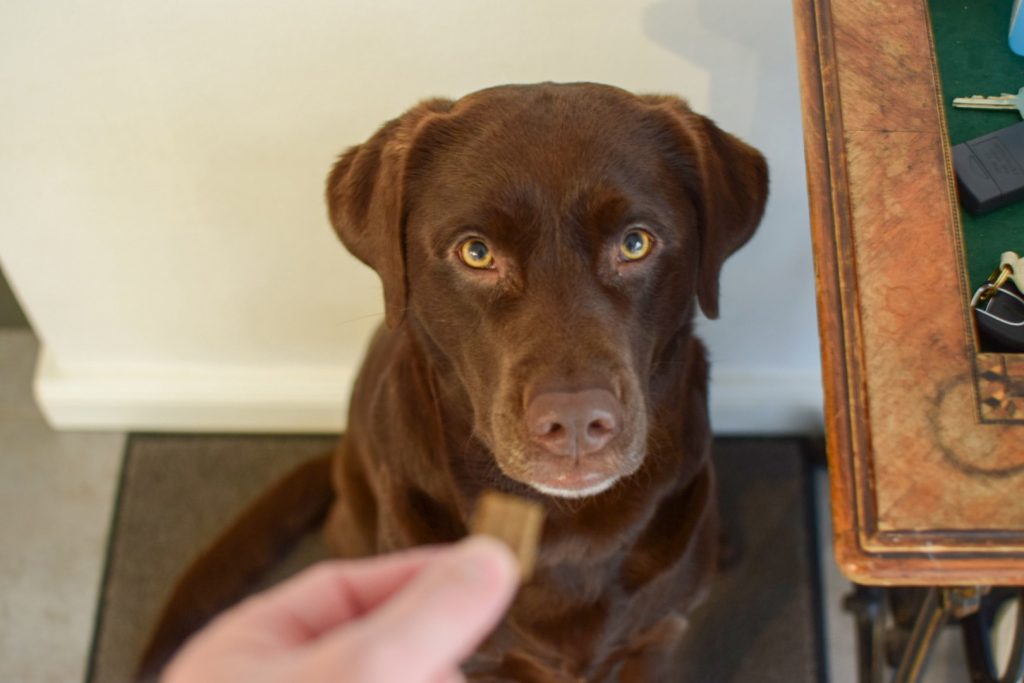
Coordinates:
409	617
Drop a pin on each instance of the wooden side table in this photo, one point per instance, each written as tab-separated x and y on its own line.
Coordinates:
925	435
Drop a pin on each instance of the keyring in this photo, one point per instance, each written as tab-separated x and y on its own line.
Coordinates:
996	280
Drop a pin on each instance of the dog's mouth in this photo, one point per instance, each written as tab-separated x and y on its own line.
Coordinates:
570	478
575	485
576	493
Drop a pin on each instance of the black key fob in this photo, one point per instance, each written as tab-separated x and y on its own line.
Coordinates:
1001	318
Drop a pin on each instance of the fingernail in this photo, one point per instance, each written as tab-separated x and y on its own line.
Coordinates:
484	559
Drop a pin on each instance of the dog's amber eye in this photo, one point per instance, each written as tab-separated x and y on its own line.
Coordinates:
476	254
636	245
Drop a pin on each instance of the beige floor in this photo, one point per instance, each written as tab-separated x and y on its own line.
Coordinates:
56	498
56	494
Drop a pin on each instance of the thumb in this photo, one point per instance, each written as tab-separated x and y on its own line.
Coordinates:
437	619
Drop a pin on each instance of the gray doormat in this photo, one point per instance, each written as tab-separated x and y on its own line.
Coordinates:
761	623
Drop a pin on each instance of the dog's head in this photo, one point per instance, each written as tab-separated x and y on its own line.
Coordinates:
549	242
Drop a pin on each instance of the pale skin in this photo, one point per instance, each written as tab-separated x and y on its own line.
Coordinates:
411	617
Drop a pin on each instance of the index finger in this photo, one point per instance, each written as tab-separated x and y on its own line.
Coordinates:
327	595
435	621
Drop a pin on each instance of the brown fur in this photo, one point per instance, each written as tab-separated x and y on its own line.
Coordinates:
551	175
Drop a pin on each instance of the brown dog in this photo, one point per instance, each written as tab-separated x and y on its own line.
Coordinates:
541	250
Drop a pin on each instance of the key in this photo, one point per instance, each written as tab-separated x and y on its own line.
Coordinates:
1004	101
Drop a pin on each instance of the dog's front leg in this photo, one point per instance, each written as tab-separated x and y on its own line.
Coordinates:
650	659
351	528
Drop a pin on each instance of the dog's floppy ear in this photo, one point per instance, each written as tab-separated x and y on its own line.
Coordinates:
728	182
366	200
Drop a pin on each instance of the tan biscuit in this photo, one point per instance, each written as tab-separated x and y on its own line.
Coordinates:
515	521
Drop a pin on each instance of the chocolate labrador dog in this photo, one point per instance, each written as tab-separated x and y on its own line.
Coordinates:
542	249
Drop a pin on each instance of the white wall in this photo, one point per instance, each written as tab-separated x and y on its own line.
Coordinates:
162	165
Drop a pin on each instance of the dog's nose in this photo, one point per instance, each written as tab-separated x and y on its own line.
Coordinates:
574	423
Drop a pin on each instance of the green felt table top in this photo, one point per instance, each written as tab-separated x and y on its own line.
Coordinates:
975	59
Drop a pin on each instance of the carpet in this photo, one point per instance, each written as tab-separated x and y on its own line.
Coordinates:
761	623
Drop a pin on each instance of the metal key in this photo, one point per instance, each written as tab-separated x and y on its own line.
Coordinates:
1004	101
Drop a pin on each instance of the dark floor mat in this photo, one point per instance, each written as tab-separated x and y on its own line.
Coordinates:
762	623
178	492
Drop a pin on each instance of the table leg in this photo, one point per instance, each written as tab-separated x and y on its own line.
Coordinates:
868	607
934	613
882	638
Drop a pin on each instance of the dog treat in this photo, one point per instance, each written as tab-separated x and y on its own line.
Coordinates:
514	521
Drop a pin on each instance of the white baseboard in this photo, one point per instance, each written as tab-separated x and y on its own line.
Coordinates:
766	402
257	399
314	400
